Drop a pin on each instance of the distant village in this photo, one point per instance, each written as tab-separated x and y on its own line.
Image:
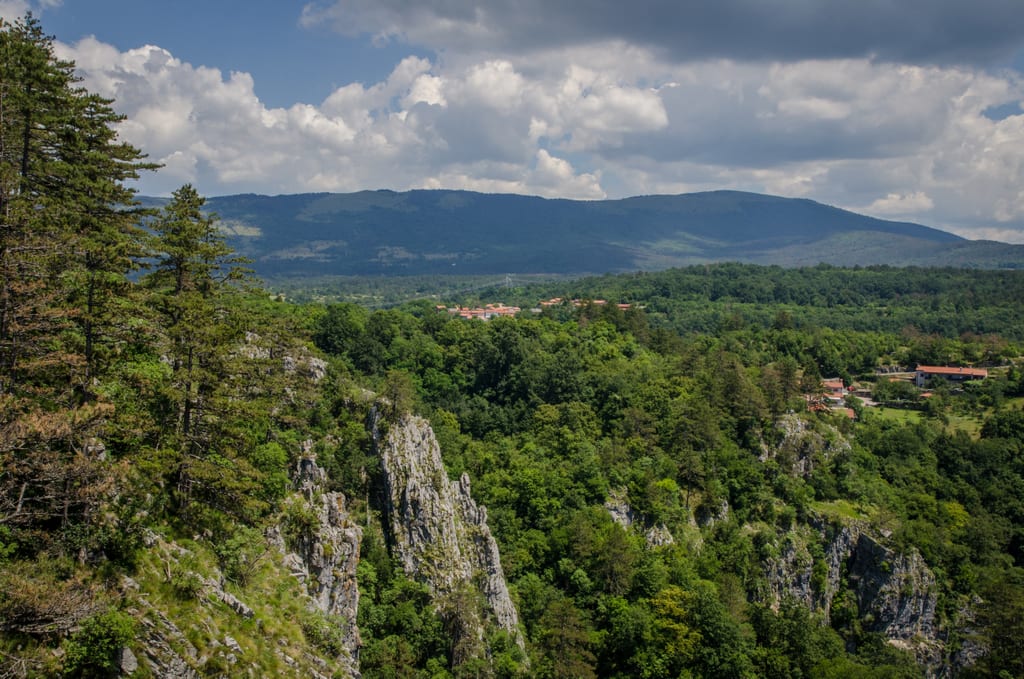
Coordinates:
495	309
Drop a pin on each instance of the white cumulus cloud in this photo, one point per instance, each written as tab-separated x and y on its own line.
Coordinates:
901	204
909	141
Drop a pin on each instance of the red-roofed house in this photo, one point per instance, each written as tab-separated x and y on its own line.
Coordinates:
835	390
953	374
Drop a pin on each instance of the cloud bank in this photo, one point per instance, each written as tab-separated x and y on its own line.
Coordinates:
886	110
915	31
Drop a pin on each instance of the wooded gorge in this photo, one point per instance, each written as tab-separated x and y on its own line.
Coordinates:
200	478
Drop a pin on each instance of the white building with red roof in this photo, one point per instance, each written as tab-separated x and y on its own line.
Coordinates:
951	373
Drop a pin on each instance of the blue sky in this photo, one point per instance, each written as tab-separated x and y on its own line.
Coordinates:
289	62
908	111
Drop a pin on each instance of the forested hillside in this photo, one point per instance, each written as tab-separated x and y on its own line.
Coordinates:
387	233
567	425
200	479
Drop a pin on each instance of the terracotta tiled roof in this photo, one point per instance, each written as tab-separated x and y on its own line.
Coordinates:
952	370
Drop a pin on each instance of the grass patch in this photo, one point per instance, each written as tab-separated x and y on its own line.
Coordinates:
277	599
970	423
898	415
841	509
1015	403
966	423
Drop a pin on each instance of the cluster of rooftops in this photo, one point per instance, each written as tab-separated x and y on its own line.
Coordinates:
495	309
834	390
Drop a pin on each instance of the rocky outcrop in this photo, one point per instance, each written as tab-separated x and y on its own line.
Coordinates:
163	646
298	362
968	644
165	650
710	513
802	447
439	533
214	589
323	555
789	574
895	593
622	513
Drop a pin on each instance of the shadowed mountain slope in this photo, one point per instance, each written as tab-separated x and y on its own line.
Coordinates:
460	232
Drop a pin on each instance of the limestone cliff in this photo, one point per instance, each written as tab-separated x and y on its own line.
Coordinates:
323	555
892	593
440	534
804	445
823	562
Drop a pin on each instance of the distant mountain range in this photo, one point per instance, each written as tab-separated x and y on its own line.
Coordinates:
461	232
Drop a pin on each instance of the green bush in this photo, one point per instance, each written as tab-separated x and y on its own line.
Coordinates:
240	554
325	632
272	462
298	520
92	651
185	581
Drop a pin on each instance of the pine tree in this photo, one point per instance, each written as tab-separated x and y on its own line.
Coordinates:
68	223
193	265
35	89
66	245
107	241
194	298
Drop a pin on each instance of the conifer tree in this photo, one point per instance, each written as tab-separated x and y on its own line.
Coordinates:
67	242
103	220
191	284
193	264
68	233
35	89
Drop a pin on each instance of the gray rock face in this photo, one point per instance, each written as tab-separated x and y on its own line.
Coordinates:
229	599
623	514
310	367
969	649
895	593
897	590
789	575
324	556
127	663
158	638
303	364
837	551
439	533
620	510
707	515
801	447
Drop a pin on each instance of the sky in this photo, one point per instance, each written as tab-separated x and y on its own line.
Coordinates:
909	110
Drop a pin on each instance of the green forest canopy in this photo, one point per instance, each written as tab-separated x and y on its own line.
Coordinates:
142	393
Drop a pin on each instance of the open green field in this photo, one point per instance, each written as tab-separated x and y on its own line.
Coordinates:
970	423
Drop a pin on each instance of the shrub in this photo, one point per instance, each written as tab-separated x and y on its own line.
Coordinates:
92	651
324	631
187	584
240	554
